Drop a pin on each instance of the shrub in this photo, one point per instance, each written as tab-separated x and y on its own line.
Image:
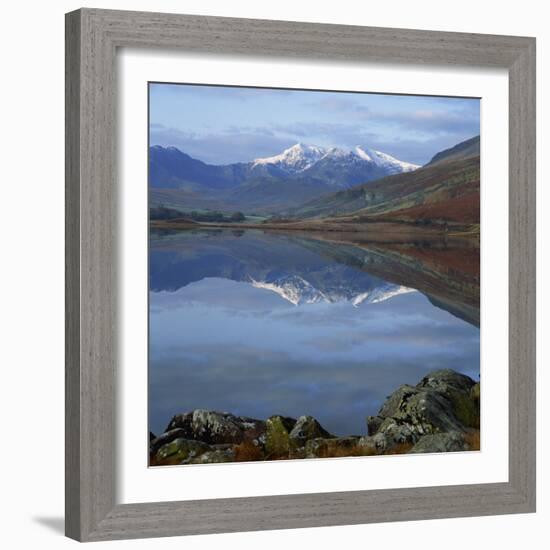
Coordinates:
247	452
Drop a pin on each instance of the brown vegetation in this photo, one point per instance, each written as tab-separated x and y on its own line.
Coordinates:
399	449
247	452
342	452
473	439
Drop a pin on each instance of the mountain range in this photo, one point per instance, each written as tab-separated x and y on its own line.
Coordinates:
265	185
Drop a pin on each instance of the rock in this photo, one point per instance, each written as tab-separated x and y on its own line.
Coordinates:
441	402
215	456
181	451
306	428
373	424
277	435
152	436
475	394
165	438
372	444
458	389
396	431
446	380
332	447
216	427
441	443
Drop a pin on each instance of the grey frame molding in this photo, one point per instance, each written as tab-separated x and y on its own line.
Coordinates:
92	39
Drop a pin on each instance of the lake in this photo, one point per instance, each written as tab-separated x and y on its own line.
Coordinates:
259	323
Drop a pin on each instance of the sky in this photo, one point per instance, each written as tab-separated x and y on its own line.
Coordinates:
221	125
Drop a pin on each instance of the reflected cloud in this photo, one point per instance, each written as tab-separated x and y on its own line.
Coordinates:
219	341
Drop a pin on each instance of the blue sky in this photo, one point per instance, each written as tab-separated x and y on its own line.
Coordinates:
221	125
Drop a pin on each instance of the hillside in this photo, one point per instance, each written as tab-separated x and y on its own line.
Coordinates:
440	192
463	150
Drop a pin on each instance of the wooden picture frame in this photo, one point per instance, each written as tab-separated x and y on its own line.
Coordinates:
92	39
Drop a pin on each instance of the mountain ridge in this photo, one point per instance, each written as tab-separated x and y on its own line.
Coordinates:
270	184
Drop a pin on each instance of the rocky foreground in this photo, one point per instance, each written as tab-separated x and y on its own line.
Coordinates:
440	414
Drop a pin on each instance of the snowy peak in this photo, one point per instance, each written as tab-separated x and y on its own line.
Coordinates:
301	157
298	291
297	158
385	161
381	294
293	289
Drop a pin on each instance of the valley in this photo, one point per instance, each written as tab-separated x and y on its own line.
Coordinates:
437	201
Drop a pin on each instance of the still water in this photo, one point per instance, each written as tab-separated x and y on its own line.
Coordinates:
258	323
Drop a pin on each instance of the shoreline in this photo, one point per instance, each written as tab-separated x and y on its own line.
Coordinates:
372	230
439	414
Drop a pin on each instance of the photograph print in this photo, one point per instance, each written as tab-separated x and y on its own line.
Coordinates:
314	274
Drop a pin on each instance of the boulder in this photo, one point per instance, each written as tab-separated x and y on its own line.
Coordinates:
442	402
277	435
441	443
460	390
306	428
180	451
165	438
218	427
214	456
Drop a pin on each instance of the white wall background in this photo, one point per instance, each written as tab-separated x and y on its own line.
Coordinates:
32	135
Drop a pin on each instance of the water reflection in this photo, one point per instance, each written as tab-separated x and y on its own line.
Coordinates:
260	323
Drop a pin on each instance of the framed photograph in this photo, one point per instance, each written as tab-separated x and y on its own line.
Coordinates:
300	275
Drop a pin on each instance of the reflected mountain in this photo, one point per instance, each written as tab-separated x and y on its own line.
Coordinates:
323	268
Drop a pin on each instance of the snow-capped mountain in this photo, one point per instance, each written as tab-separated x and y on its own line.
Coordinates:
383	160
294	159
269	185
298	291
301	158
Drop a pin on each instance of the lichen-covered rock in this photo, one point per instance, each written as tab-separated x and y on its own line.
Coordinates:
441	443
446	381
373	424
215	456
396	431
165	438
181	451
277	435
441	402
459	390
306	428
218	427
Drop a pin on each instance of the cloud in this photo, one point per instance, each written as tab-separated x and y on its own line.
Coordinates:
335	362
432	131
234	145
431	121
